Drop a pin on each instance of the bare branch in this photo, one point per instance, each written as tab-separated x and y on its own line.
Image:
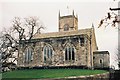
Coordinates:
112	17
33	24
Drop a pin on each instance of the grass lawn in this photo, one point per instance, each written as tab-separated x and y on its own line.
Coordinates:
49	73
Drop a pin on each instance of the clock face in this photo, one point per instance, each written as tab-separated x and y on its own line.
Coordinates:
66	27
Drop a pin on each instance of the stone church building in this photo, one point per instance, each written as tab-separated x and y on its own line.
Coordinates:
68	47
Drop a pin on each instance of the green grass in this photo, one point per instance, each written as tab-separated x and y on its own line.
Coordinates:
49	73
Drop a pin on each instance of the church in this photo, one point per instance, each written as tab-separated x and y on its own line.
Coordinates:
67	47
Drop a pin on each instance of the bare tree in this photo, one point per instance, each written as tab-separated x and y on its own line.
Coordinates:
10	40
27	29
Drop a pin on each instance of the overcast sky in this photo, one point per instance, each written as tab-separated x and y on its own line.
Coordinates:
47	11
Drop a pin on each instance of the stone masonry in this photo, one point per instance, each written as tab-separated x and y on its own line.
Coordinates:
68	47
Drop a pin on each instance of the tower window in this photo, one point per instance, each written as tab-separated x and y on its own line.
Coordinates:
66	27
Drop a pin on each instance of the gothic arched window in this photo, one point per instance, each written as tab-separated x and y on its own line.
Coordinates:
28	55
48	52
82	41
73	54
66	27
69	53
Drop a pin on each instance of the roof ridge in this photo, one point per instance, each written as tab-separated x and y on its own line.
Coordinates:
62	34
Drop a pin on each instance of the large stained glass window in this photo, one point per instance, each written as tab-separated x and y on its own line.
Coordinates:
28	55
69	53
48	52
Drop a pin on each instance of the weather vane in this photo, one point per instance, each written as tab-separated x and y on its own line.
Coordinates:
68	7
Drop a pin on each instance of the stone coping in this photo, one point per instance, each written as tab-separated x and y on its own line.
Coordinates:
87	77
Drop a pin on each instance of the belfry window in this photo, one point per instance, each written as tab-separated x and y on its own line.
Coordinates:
66	27
48	52
28	55
69	53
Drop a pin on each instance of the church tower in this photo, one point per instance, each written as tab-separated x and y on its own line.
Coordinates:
68	22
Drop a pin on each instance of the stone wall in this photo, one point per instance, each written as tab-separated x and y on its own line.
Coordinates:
58	45
58	41
104	76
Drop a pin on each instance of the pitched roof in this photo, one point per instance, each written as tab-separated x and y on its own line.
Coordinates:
63	34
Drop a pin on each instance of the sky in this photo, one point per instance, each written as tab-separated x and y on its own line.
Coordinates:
89	12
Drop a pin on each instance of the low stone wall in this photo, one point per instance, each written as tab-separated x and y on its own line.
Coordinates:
104	76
